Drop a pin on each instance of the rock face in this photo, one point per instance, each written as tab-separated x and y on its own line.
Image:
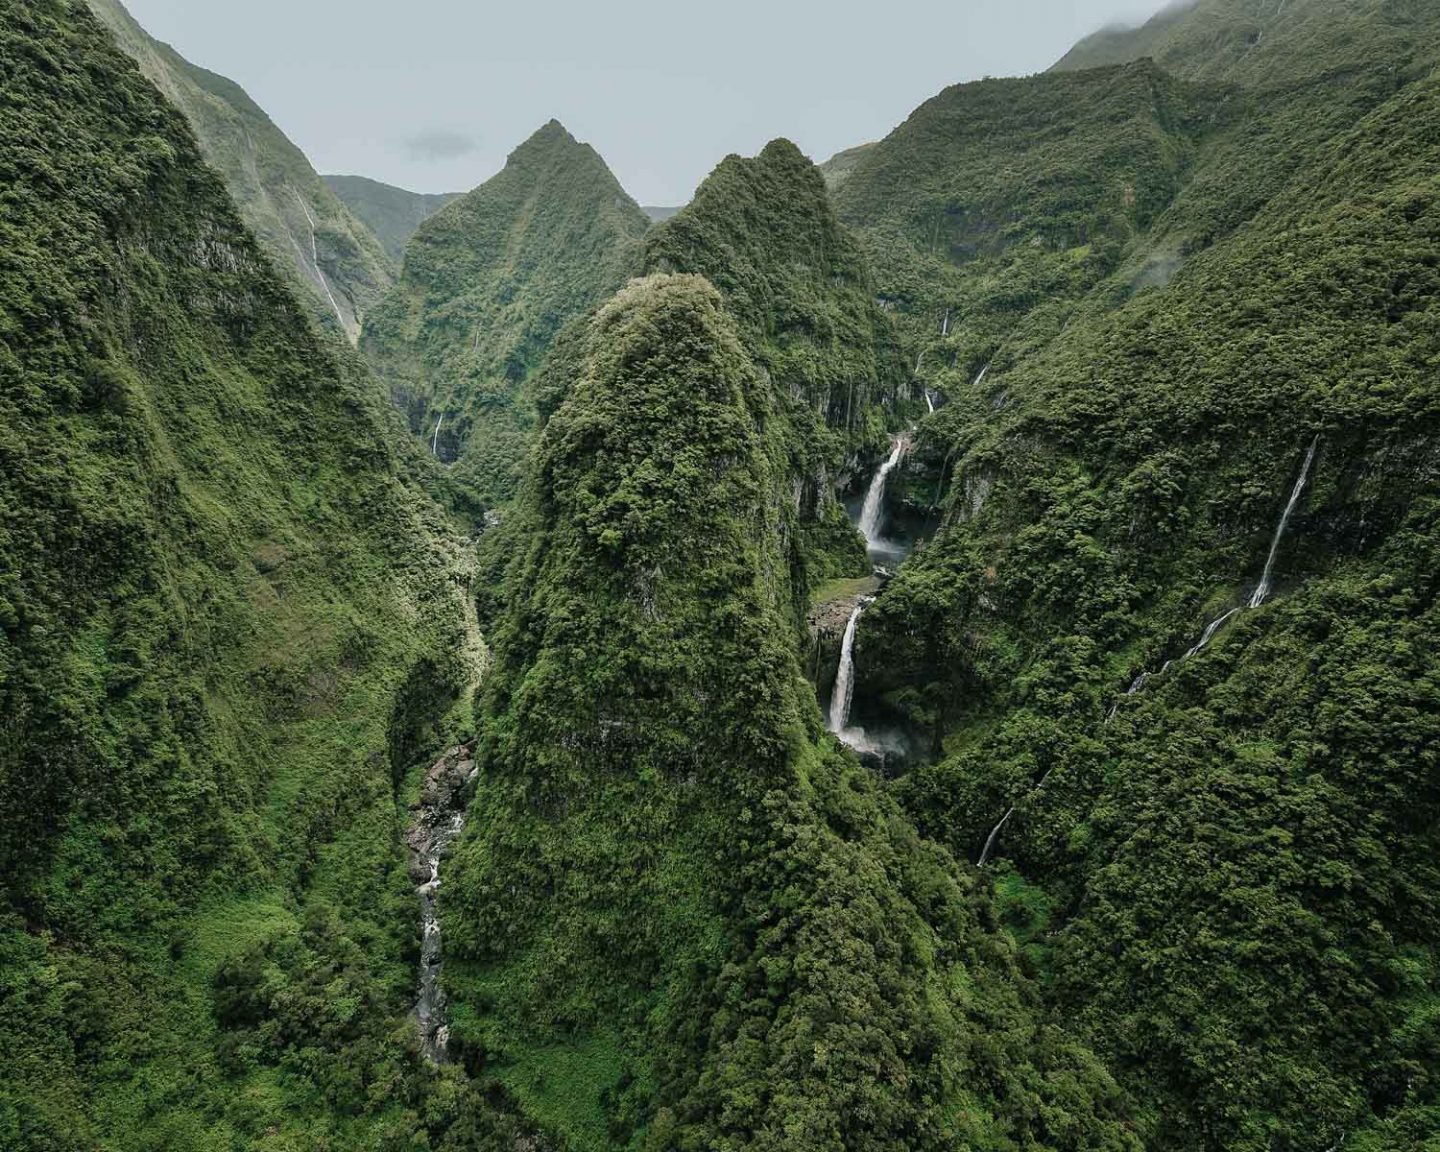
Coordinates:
439	818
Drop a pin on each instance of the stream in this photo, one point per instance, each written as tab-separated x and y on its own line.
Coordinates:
439	819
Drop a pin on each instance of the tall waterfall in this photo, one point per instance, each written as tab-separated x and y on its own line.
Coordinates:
875	496
845	676
929	400
435	440
1262	592
980	379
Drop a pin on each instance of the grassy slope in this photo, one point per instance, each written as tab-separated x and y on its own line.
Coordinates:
487	284
391	213
217	579
340	267
1236	873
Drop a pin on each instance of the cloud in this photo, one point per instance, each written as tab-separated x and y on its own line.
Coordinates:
439	145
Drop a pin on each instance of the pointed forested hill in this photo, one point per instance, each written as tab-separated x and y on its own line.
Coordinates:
227	624
311	236
762	231
487	284
391	213
1227	875
682	917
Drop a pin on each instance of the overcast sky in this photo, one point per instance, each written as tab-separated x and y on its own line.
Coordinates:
433	94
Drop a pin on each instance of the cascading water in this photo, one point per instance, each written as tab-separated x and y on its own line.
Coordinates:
874	504
435	441
439	820
844	691
930	401
1262	591
980	379
845	675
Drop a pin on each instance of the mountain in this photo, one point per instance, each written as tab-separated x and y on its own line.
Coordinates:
1266	43
763	232
1162	646
486	286
228	621
340	268
838	168
392	214
682	916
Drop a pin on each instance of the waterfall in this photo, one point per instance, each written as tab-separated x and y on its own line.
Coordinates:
980	379
315	260
945	324
1209	633
845	675
995	832
1262	592
919	359
875	496
435	441
929	401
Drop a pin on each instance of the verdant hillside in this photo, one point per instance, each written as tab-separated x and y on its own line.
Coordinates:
228	624
763	232
392	214
487	285
998	205
682	918
1226	876
1267	43
313	239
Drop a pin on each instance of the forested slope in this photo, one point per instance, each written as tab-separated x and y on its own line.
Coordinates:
762	230
1226	876
392	214
219	590
340	268
683	918
488	283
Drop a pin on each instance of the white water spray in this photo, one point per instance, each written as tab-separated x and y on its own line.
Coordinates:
1262	592
875	495
929	401
435	440
845	676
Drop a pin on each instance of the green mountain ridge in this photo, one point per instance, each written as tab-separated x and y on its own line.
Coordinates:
340	267
230	619
487	284
1148	855
392	214
1111	486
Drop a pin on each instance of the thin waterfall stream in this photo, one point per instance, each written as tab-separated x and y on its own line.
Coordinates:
1261	594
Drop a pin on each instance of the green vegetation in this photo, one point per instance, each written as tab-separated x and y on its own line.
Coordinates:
216	580
1235	873
763	232
682	918
235	624
488	283
392	214
334	262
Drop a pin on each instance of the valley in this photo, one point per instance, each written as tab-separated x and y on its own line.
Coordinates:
933	649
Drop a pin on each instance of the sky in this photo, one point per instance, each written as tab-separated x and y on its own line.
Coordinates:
432	95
